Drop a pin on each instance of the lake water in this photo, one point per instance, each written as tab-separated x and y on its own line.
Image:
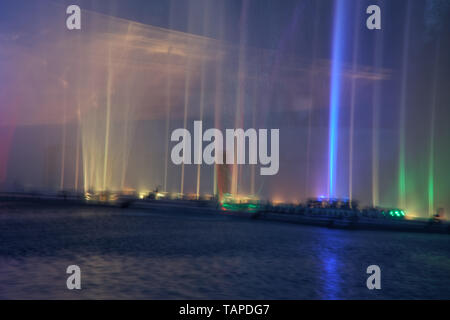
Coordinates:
134	254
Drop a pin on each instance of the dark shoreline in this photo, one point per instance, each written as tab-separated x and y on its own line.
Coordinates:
326	218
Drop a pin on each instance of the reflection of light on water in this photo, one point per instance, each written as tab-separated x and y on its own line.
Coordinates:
331	275
330	263
146	257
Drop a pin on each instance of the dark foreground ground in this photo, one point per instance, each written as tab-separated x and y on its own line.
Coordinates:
133	254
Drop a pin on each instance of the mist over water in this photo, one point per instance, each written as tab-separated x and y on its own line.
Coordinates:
93	109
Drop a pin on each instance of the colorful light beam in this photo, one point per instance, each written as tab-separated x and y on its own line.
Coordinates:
336	67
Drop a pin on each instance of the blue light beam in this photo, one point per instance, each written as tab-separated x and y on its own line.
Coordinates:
336	68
